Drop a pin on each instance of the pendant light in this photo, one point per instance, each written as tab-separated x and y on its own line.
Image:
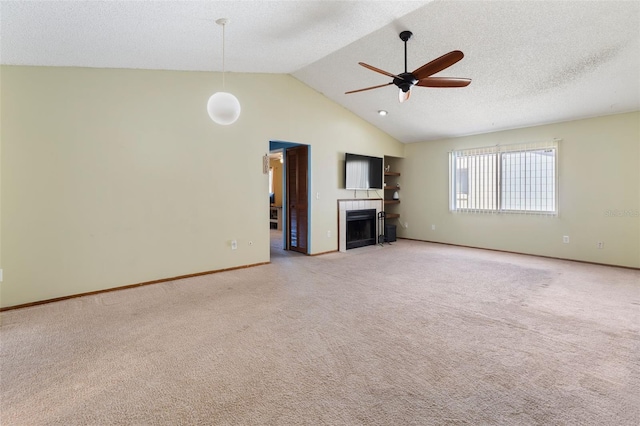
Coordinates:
223	107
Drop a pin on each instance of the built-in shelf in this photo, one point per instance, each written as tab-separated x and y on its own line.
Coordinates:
275	217
391	190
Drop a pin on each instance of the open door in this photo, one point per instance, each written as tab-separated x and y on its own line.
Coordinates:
297	161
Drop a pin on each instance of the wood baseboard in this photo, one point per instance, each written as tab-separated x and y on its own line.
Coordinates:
524	254
107	290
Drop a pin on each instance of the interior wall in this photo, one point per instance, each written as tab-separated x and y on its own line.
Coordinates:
599	194
112	177
276	165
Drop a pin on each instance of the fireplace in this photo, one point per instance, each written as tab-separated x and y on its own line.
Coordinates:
349	205
361	228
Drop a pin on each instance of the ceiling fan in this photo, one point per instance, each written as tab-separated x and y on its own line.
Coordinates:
421	76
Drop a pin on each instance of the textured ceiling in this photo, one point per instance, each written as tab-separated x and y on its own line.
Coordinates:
531	62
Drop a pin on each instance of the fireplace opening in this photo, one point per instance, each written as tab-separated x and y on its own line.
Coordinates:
361	228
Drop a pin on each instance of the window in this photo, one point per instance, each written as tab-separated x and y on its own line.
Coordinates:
511	179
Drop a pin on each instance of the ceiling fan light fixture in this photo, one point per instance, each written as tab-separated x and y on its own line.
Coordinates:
223	107
403	96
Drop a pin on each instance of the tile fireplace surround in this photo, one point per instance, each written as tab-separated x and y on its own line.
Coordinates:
355	204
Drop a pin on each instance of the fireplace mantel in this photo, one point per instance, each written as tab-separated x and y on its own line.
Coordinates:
354	204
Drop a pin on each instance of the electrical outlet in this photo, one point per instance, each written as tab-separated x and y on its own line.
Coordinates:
600	245
328	234
433	227
565	239
234	244
406	224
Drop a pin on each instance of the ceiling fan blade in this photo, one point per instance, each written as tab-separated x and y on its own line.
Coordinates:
404	96
443	82
437	65
372	68
368	88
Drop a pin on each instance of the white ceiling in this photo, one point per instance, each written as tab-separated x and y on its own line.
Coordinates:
531	62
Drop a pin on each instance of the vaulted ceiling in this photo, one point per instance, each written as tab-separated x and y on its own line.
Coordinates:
530	62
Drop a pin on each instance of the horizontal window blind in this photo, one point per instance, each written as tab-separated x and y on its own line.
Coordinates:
518	178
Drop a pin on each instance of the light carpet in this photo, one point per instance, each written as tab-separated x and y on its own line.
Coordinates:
406	334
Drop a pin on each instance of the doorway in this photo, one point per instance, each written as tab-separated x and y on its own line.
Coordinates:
293	199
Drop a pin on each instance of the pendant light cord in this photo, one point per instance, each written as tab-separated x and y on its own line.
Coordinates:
223	22
223	25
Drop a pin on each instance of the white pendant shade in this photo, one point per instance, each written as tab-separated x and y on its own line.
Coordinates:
223	108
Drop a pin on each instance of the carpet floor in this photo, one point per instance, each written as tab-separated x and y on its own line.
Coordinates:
406	334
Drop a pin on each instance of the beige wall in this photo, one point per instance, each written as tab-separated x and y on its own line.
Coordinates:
115	177
599	171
